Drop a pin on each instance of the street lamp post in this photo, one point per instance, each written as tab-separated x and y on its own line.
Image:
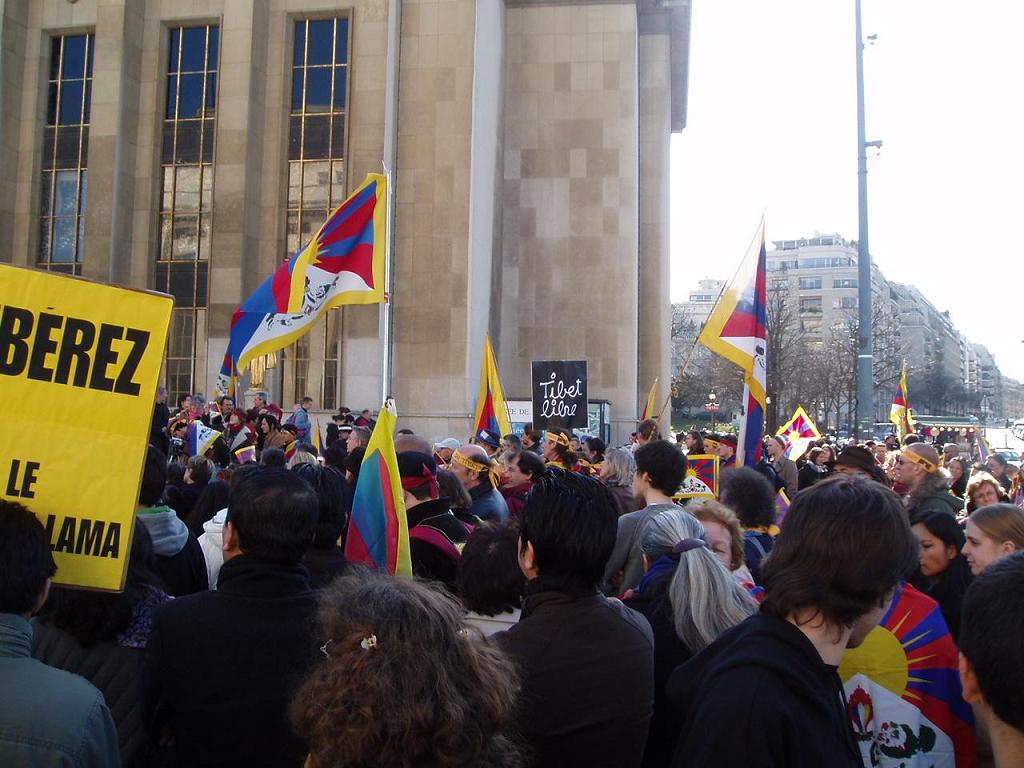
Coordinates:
712	408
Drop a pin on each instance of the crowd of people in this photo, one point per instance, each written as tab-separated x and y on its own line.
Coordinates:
568	608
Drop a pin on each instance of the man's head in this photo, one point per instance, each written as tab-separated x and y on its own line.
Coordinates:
272	516
161	395
409	442
916	464
855	460
419	477
950	451
260	400
26	563
444	449
911	438
307	403
840	557
776	446
567	531
511	442
359	437
154	478
489	440
727	446
659	465
524	467
992	623
471	465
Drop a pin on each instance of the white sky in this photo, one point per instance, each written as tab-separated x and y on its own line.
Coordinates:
772	127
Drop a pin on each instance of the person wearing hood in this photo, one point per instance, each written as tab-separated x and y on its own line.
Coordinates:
767	692
179	558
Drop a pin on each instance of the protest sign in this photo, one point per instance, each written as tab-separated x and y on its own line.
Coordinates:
559	394
79	365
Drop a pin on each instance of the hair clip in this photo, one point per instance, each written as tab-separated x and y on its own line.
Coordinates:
464	632
323	648
368	642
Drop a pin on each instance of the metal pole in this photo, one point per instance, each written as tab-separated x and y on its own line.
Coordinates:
865	352
387	314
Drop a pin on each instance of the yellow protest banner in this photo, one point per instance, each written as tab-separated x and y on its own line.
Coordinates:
79	365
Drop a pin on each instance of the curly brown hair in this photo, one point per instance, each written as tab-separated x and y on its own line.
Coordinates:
426	692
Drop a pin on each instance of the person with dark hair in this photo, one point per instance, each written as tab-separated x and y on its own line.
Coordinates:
436	536
335	455
943	573
991	665
511	442
958	476
813	469
268	428
694	443
784	467
593	450
727	451
489	580
48	717
179	558
213	499
997	466
222	666
532	440
198	472
273	457
403	683
450	487
766	693
752	498
102	636
325	559
476	469
660	470
647	431
524	467
858	460
587	663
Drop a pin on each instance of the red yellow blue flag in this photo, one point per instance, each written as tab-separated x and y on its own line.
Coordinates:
799	432
651	404
290	450
737	329
246	454
701	478
378	531
899	413
342	264
491	408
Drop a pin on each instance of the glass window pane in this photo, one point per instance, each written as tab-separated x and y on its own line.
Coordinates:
294	138
74	57
204	237
300	43
67	147
311	222
321	42
55	43
292	232
193	49
186	189
315	182
172	64
51	105
340	83
165	240
87	102
337	182
317	137
183	246
297	80
66	203
90	55
182	286
84	161
49	134
338	136
341	43
161	277
187	150
207	199
208	140
64	235
202	280
71	102
167	187
83	195
81	239
46	194
167	146
294	180
213	49
190	97
44	239
211	91
318	89
172	96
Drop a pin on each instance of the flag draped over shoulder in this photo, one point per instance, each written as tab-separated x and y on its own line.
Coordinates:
899	413
342	264
737	330
378	531
491	408
799	432
651	404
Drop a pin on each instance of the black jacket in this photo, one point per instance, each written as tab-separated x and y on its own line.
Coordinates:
222	666
324	566
669	652
761	696
587	667
428	560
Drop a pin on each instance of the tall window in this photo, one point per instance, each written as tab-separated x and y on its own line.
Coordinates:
316	157
186	198
66	154
329	401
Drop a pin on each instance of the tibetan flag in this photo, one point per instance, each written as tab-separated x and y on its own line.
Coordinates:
342	264
199	438
899	413
246	454
781	507
378	531
651	404
799	432
701	478
737	330
290	449
983	447
491	408
903	689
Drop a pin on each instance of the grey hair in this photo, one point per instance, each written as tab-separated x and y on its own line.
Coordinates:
161	390
302	457
622	466
706	599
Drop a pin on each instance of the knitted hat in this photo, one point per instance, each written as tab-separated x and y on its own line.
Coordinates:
857	457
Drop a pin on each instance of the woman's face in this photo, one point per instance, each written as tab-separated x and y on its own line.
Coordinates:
721	542
825	455
956	470
981	550
984	495
935	556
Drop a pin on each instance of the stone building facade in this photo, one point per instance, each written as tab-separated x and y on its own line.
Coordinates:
190	147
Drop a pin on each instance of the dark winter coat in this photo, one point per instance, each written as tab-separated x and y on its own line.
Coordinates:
430	561
587	667
222	666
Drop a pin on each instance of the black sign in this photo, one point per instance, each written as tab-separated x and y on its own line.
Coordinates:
559	394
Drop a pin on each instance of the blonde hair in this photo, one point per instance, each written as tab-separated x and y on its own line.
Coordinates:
1001	522
711	511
